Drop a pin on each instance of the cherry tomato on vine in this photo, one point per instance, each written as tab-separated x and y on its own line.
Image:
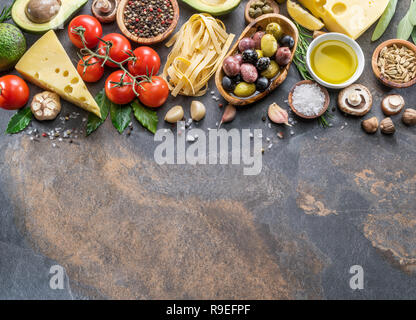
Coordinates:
147	62
153	93
92	32
119	94
119	50
14	92
90	69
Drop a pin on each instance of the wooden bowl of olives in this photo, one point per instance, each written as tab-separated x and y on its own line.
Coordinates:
256	8
259	61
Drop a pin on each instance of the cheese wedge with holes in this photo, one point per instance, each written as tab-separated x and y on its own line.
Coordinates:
351	17
47	65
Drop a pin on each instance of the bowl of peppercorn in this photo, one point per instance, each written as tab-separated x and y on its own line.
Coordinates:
147	21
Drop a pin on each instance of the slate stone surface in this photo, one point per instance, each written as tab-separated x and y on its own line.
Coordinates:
124	227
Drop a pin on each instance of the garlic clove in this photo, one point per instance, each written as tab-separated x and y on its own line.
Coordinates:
229	114
174	115
278	115
198	110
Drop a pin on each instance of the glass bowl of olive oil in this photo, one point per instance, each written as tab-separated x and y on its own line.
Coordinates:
335	60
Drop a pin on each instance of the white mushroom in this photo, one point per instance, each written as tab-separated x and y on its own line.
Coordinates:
105	10
46	105
355	100
392	104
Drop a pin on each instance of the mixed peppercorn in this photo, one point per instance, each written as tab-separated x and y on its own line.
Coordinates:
148	18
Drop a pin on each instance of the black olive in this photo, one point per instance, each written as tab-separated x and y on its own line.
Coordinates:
237	79
262	84
250	56
287	41
263	63
228	84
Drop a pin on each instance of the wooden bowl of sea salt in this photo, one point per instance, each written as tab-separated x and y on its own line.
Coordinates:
308	99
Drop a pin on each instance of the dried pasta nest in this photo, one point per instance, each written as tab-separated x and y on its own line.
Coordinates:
198	50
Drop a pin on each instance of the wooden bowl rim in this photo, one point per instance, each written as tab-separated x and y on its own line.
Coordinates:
272	3
282	76
323	89
148	41
377	71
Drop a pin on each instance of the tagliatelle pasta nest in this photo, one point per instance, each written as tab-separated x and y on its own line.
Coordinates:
199	49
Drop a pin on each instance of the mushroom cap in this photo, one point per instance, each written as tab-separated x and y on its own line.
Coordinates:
355	109
42	11
105	17
392	104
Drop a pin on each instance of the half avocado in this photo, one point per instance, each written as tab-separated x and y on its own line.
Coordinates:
67	10
214	7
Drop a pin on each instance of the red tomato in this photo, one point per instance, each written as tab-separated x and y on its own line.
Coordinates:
92	31
90	70
119	94
154	93
147	62
14	92
119	50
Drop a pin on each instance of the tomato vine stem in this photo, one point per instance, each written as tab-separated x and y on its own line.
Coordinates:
85	51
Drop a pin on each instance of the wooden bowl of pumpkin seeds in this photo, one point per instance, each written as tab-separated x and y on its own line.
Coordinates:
394	63
256	8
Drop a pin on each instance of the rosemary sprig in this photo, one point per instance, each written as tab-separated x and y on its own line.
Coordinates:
300	54
323	120
300	62
6	13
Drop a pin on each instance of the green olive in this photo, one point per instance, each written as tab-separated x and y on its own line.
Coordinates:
274	29
271	71
268	45
259	54
258	12
267	9
244	89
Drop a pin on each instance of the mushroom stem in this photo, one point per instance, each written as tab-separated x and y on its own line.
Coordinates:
104	6
354	98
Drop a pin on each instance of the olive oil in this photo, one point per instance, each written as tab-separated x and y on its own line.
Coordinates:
334	61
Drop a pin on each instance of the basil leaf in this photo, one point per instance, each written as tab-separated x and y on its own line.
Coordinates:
148	118
19	121
120	116
94	122
405	27
385	20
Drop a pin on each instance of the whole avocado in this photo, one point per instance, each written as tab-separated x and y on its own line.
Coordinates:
12	46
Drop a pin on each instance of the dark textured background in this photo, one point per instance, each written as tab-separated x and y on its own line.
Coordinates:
124	227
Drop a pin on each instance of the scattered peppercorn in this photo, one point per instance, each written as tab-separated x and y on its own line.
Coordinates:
148	18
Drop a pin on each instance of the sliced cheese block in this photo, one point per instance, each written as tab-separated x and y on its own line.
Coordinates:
351	17
47	65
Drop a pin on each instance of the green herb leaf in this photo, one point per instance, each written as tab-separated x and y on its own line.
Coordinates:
385	20
6	13
414	35
405	27
19	121
120	116
148	118
412	13
94	122
300	54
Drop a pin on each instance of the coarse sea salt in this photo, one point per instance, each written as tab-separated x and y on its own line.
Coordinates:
308	99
